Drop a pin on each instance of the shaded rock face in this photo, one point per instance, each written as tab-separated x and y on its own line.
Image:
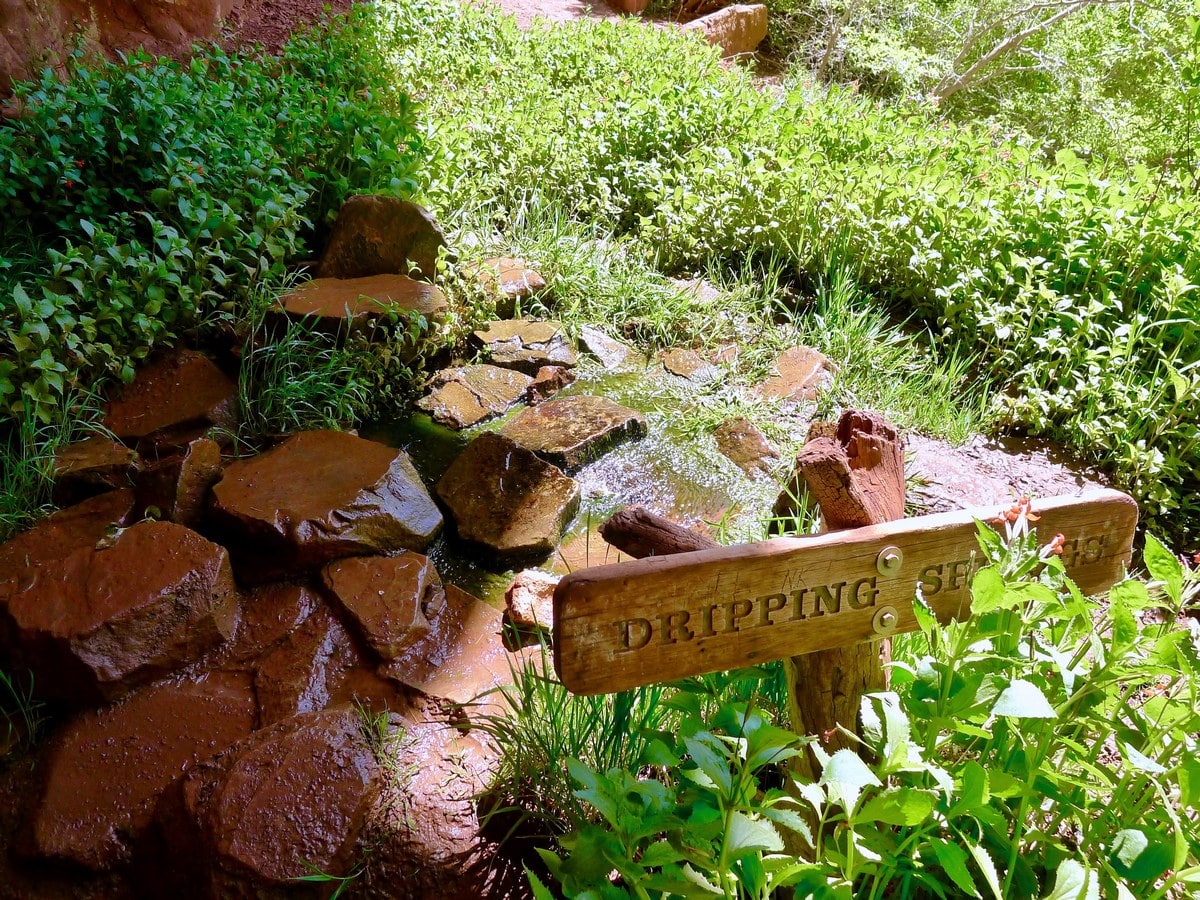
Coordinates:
426	826
294	792
511	281
172	401
104	614
548	382
177	487
301	672
508	500
571	431
735	29
377	235
389	599
799	373
739	440
463	655
320	496
467	395
608	350
91	467
342	305
525	346
106	768
688	364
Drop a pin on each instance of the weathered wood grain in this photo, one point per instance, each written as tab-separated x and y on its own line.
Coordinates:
623	625
640	533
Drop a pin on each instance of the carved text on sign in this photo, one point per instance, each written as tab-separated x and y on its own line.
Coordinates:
663	618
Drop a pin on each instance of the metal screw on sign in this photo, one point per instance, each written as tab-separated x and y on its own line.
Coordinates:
889	560
885	620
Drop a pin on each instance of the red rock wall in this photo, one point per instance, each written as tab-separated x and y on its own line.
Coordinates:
38	33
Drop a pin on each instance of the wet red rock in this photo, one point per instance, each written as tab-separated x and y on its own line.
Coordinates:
524	345
743	443
467	395
106	769
426	830
171	401
507	499
320	496
799	373
510	281
548	382
337	304
299	673
378	235
177	488
293	793
91	467
530	599
101	615
572	431
269	614
387	598
689	364
463	656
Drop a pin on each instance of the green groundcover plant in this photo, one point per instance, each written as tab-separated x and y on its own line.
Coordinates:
1043	747
1075	282
145	197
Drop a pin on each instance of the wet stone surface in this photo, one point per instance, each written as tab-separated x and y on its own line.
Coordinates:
177	488
467	395
105	769
507	500
688	364
611	352
529	600
320	496
173	400
297	791
389	599
341	305
799	373
743	443
572	431
379	235
95	612
510	281
92	467
524	346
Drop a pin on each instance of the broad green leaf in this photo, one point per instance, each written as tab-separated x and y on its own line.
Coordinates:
1139	855
748	835
1124	626
660	853
1074	881
1164	566
926	620
1132	594
791	820
710	762
700	881
953	860
972	790
898	806
845	776
1023	700
987	591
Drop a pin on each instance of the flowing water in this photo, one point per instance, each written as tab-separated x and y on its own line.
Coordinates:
670	472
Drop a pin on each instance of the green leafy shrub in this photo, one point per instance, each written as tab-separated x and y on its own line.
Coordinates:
146	196
1044	747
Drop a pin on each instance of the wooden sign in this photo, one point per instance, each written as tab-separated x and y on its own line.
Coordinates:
667	617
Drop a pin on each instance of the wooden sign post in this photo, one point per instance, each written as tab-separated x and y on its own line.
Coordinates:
668	617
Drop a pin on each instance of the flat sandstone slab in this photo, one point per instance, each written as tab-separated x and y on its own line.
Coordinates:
338	303
467	395
570	432
524	345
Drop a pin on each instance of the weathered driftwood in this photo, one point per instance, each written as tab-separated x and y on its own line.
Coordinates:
857	479
639	533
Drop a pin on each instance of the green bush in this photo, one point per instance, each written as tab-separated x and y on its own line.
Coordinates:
146	196
1074	283
1044	747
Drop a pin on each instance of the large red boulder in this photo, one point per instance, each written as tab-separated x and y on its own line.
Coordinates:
379	235
106	768
291	796
389	599
94	610
317	497
172	401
